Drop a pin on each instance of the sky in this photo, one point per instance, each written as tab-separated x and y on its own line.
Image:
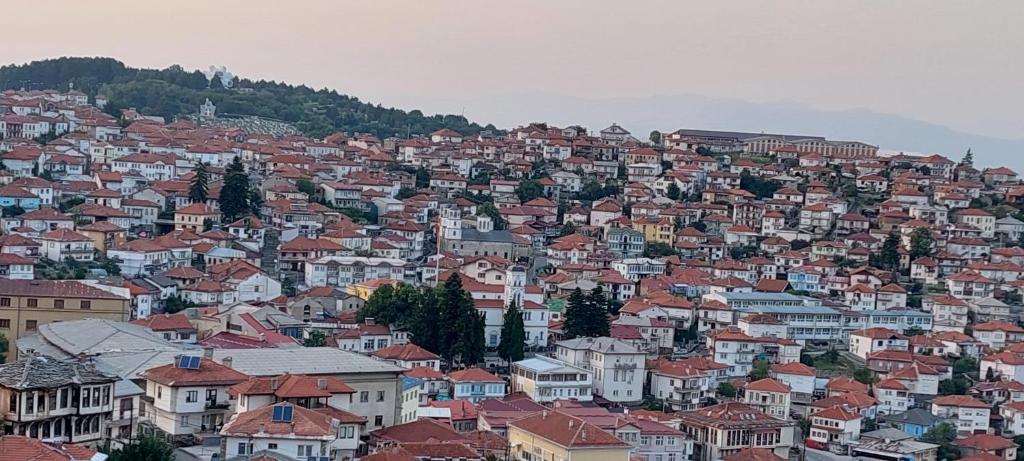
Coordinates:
952	63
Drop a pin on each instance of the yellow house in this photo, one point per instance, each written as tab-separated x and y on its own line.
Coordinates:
195	216
365	290
556	436
655	229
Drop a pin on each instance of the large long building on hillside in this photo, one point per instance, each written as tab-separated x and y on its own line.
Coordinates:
767	143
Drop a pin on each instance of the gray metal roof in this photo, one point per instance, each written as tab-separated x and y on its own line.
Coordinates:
302	360
96	336
494	236
542	364
760	296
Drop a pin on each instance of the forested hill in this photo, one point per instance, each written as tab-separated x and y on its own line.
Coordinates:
174	91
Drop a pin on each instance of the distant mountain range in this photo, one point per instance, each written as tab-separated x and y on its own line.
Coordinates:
667	113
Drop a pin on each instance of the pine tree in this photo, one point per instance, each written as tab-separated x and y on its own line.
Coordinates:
890	257
575	315
234	196
199	189
597	313
424	321
674	192
513	335
471	340
968	160
460	335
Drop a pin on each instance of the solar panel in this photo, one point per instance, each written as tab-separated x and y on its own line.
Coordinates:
188	362
282	414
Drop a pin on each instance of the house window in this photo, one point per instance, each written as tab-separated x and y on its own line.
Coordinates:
192	397
58	304
243	448
378	420
85	305
5	323
364	396
31	325
5	302
380	396
33	302
305	451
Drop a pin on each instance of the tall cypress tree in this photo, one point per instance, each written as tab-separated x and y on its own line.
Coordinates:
199	189
597	313
575	323
234	196
513	335
424	321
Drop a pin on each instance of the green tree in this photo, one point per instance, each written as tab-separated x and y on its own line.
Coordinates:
760	370
726	389
943	435
148	448
423	321
758	186
199	188
488	209
234	195
4	347
968	160
405	193
864	375
655	137
890	256
567	229
513	335
921	243
461	327
390	305
597	309
529	190
316	338
958	385
658	249
575	315
913	331
673	192
306	187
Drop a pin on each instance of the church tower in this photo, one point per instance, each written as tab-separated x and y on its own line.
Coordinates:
515	286
451	224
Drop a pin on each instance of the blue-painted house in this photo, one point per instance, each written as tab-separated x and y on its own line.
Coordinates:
14	195
915	421
805	278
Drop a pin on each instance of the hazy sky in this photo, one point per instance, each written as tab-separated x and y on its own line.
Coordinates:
957	63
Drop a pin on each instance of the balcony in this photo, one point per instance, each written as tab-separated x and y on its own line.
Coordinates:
213	405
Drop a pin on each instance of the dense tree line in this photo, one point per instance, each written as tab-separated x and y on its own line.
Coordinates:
442	320
173	91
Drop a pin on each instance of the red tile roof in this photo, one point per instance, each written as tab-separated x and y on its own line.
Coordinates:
209	373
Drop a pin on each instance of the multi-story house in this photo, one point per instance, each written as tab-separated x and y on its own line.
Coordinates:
409	356
768	395
682	386
893	397
617	367
343	271
998	335
544	379
967	414
475	384
293	431
46	398
970	285
553	435
60	244
724	429
189	396
867	341
834	428
799	377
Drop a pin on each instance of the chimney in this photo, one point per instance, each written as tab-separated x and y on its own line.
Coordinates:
274	383
321	383
208	352
226	361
